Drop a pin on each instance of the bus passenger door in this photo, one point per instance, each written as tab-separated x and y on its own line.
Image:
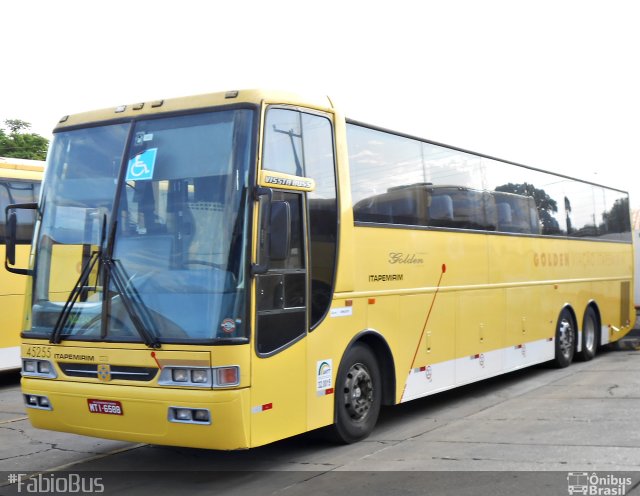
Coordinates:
278	394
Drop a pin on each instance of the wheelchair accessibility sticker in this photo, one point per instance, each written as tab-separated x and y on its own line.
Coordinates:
140	167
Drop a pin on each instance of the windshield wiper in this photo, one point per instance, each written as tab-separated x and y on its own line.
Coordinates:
114	271
81	283
133	304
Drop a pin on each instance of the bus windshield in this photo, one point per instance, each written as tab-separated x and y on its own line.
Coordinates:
144	224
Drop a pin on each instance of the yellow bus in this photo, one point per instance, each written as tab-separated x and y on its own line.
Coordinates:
227	270
19	183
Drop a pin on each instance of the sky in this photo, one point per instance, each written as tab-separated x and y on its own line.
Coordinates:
549	84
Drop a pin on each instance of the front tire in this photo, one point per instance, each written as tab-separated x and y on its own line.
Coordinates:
358	395
565	342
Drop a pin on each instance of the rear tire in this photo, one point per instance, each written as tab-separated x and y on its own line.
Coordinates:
565	342
589	335
358	395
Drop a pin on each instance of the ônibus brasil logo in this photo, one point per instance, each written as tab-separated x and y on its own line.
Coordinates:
593	484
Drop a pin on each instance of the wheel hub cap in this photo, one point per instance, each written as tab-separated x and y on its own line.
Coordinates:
358	392
566	337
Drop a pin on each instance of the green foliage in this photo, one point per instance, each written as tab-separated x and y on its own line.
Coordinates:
618	219
546	205
17	143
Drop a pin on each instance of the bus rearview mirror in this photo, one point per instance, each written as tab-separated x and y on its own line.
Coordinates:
12	229
274	230
280	235
11	235
264	198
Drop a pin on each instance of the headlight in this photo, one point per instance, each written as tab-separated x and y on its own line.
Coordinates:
30	366
37	401
201	415
201	377
44	368
38	368
180	375
188	415
184	414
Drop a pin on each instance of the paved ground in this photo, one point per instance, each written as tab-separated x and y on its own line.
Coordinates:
538	424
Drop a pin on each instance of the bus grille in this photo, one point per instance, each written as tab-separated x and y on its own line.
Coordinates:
118	372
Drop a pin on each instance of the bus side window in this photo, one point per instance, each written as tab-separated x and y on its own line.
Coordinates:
301	144
504	215
517	214
534	218
404	209
463	210
383	211
441	210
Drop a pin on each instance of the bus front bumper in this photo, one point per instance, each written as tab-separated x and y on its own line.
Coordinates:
141	414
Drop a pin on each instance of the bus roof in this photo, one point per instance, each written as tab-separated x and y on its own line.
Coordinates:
194	102
249	96
21	164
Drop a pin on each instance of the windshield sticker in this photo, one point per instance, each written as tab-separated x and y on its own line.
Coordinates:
325	369
228	326
142	137
141	166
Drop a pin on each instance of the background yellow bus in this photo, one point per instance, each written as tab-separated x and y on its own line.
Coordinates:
635	226
19	183
252	265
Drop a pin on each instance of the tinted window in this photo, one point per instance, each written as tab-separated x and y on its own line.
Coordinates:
281	298
527	201
515	213
579	208
400	180
301	144
12	192
614	219
283	142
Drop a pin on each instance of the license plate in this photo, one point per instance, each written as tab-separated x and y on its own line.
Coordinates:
105	406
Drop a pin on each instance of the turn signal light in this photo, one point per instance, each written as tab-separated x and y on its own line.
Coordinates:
228	376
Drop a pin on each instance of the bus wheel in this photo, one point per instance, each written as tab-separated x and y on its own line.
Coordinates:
358	395
565	340
589	335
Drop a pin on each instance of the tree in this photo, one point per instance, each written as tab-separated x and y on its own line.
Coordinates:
17	143
546	205
618	219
